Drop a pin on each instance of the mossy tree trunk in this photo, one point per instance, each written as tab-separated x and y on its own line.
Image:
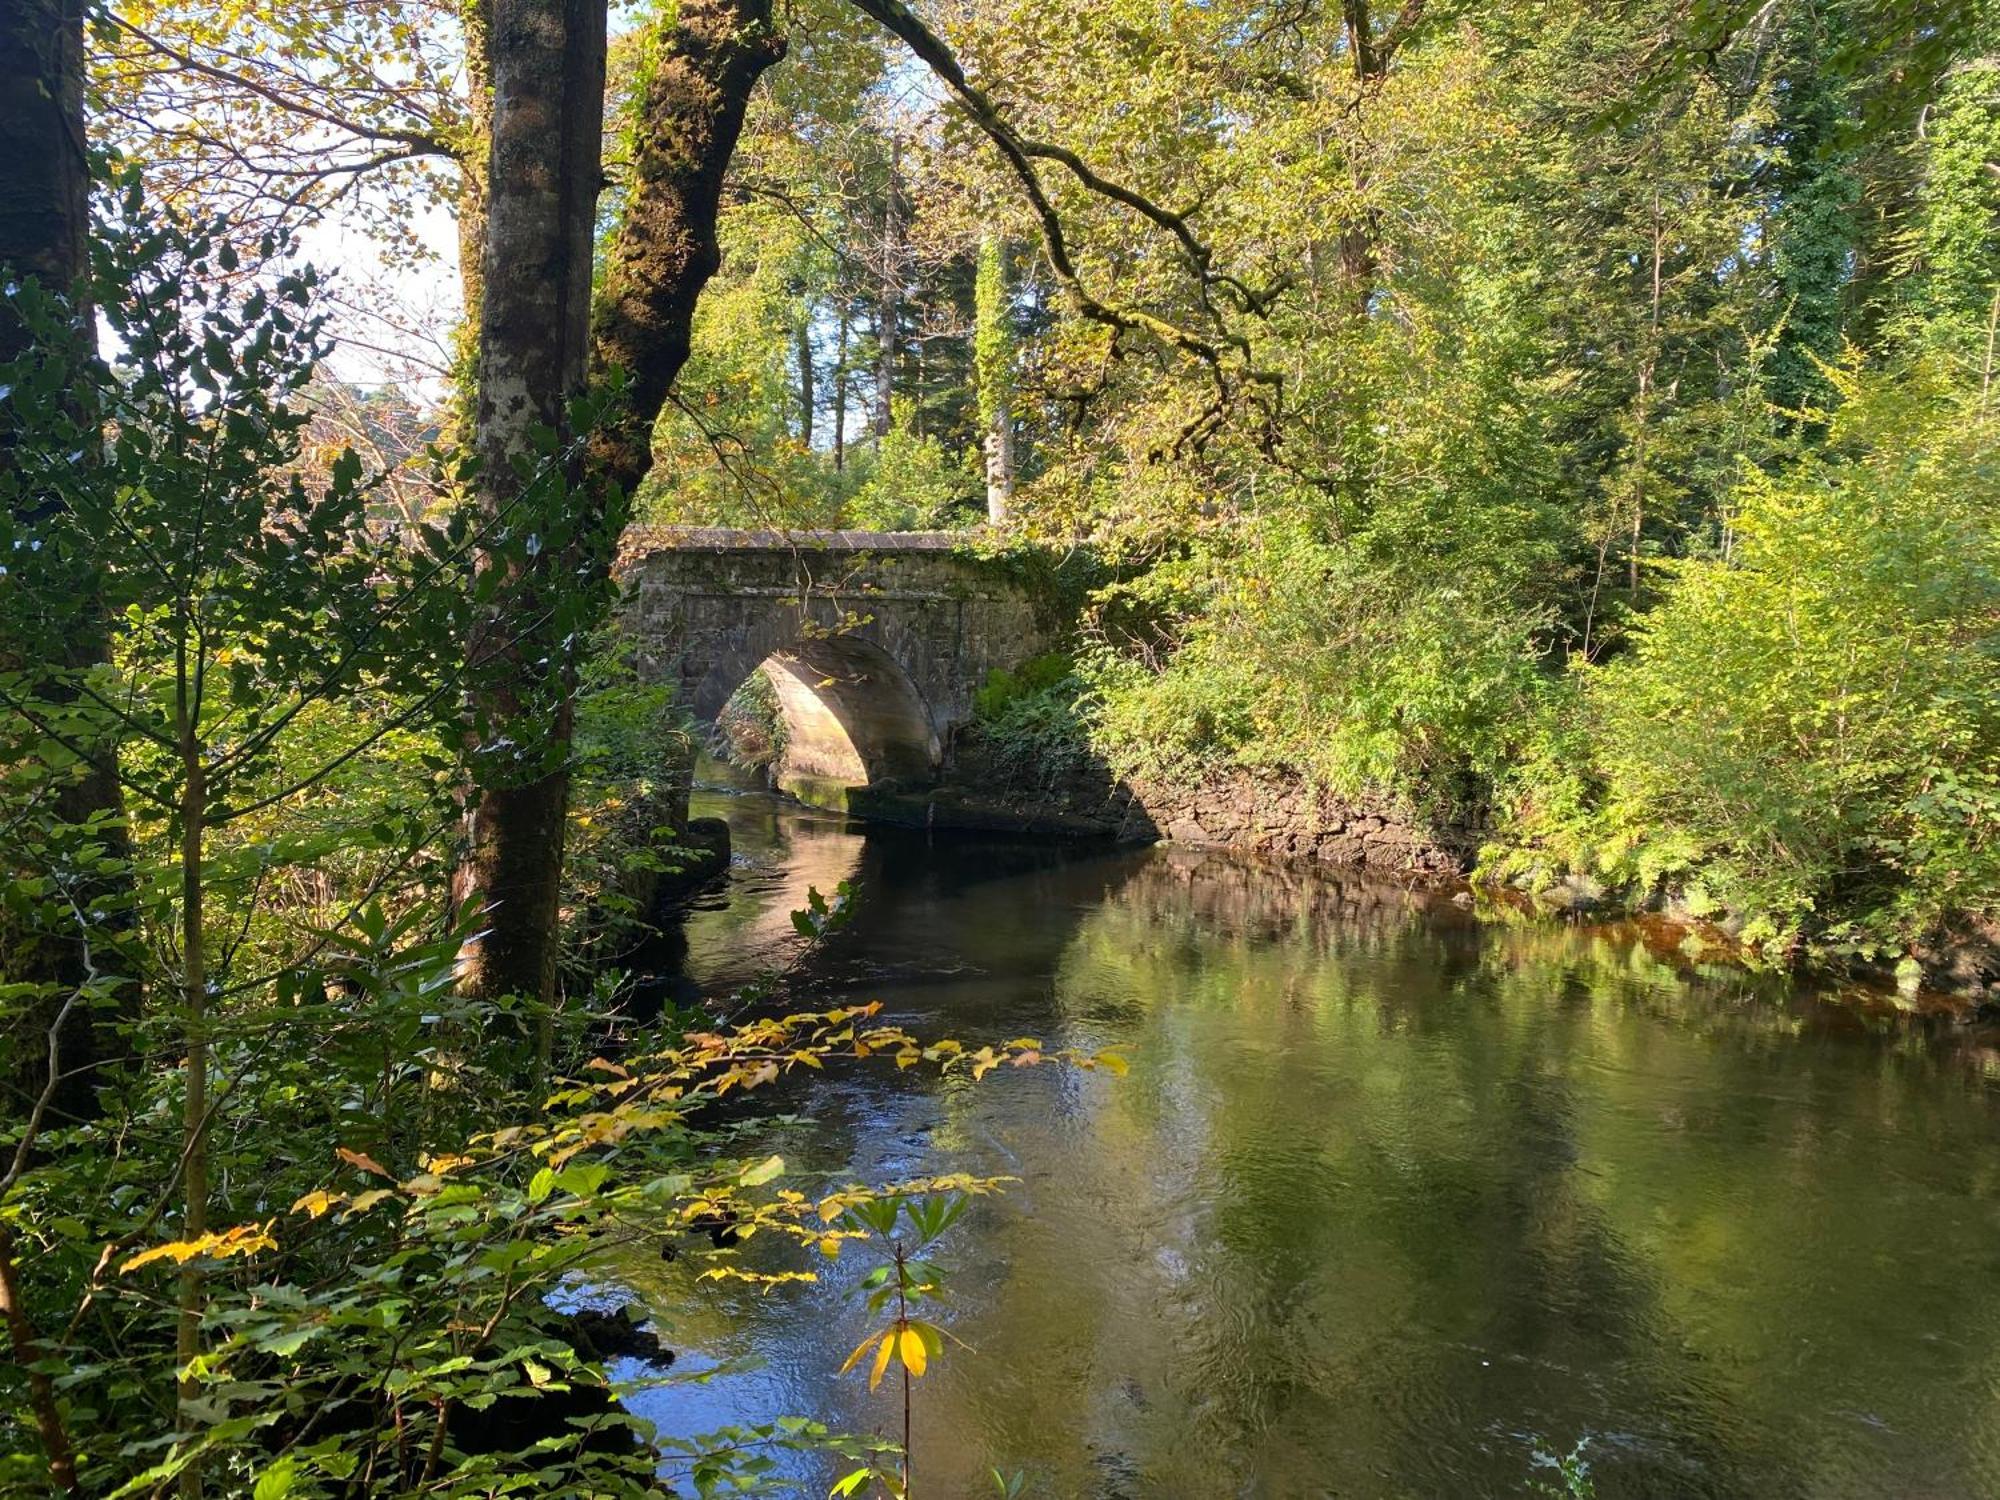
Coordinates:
44	234
684	131
546	64
534	337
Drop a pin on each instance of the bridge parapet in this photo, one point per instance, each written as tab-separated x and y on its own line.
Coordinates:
639	540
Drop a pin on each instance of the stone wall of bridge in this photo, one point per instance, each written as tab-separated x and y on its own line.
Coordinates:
878	640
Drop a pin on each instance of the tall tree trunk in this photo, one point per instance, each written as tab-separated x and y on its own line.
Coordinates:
44	233
993	366
689	120
889	303
840	393
547	60
1000	467
687	125
44	214
58	1048
470	209
808	397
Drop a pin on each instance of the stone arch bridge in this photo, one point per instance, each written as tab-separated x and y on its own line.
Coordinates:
875	642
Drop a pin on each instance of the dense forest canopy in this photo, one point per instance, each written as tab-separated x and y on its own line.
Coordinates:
1576	421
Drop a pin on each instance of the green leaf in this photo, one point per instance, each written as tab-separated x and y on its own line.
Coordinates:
277	1481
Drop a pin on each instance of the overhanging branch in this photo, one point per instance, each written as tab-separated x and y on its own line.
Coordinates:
1225	351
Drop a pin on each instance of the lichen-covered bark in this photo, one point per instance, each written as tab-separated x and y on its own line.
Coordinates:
684	131
541	189
546	60
993	364
43	209
44	233
469	208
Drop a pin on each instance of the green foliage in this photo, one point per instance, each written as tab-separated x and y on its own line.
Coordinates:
632	761
1813	722
1572	1477
1954	243
1003	688
1318	658
912	484
1035	722
751	725
993	350
1433	454
1817	226
305	1239
279	661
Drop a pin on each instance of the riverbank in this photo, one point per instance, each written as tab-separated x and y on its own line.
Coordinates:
1273	814
1256	811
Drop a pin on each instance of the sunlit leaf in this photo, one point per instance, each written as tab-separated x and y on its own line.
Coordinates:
362	1160
860	1349
244	1239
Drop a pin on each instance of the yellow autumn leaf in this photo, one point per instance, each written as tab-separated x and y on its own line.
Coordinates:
911	1346
829	1246
1114	1062
859	1350
882	1353
764	1279
244	1239
316	1203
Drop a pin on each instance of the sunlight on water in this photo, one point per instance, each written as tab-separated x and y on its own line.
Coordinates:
1389	1200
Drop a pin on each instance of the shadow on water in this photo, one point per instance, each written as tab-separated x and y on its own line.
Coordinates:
1389	1196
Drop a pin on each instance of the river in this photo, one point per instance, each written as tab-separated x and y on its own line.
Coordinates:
1391	1200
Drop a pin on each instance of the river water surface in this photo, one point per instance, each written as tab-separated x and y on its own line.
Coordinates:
1391	1200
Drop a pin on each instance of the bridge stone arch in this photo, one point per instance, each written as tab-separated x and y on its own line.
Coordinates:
876	642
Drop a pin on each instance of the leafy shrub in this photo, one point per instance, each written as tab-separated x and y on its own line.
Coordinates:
634	754
750	731
1003	688
1815	720
1312	655
1035	719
